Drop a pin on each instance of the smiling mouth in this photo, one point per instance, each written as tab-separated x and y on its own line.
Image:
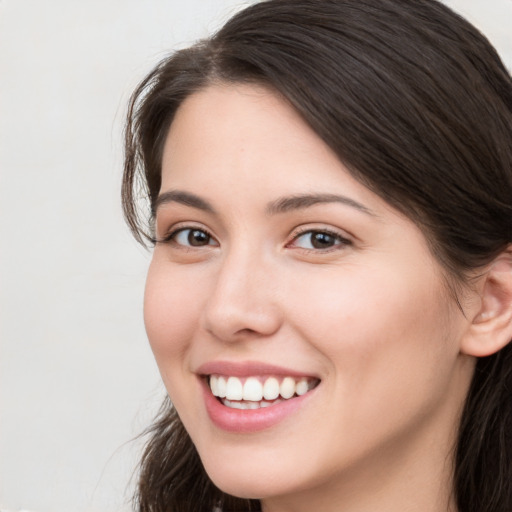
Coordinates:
258	392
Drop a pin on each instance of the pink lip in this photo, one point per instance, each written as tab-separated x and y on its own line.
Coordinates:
249	420
247	369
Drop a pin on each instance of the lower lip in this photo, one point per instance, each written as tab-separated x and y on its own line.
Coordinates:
249	420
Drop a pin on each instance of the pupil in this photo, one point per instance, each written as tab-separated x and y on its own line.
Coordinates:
322	240
197	238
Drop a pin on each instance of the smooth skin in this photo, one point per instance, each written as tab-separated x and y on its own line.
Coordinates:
342	288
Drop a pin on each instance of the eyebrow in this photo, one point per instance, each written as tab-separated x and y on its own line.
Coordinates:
185	198
302	201
281	205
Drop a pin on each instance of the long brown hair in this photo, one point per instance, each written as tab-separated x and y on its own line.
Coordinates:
418	106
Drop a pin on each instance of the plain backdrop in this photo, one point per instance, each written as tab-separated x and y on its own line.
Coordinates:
77	378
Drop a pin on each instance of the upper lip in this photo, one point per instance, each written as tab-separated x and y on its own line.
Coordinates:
247	369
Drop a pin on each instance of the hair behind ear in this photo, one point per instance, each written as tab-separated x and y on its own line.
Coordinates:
483	473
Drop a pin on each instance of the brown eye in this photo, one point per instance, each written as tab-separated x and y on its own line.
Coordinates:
193	238
319	240
198	238
322	240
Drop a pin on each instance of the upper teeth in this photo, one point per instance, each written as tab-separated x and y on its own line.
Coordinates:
256	389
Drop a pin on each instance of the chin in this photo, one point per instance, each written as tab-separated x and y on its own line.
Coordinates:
248	482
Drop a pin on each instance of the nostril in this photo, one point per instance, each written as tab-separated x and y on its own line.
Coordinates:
241	305
236	324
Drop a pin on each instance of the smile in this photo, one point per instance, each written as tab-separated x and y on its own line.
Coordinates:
251	396
258	392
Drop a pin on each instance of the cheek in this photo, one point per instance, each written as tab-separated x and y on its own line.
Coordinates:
171	312
389	345
385	333
362	307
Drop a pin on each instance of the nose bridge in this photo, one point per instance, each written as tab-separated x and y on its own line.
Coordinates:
242	300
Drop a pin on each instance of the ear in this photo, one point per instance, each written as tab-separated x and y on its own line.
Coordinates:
491	324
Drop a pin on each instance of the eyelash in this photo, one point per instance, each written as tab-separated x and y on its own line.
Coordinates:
171	237
339	240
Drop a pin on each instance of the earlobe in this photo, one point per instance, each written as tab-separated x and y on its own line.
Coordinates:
491	326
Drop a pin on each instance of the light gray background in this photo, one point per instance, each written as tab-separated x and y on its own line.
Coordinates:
77	379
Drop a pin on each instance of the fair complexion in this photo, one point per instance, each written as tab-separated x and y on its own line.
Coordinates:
336	287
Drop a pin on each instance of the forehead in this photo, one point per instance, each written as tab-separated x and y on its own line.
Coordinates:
241	120
248	137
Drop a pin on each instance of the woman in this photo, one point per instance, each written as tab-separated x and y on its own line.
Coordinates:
330	296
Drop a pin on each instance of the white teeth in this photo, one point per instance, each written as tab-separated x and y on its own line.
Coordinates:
214	385
249	405
221	387
234	389
287	387
302	387
271	389
253	390
234	405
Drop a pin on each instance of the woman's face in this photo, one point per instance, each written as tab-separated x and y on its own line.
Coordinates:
278	272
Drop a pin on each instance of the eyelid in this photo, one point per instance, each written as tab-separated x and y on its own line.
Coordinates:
343	239
171	233
341	236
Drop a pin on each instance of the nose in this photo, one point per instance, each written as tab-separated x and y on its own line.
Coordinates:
243	300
